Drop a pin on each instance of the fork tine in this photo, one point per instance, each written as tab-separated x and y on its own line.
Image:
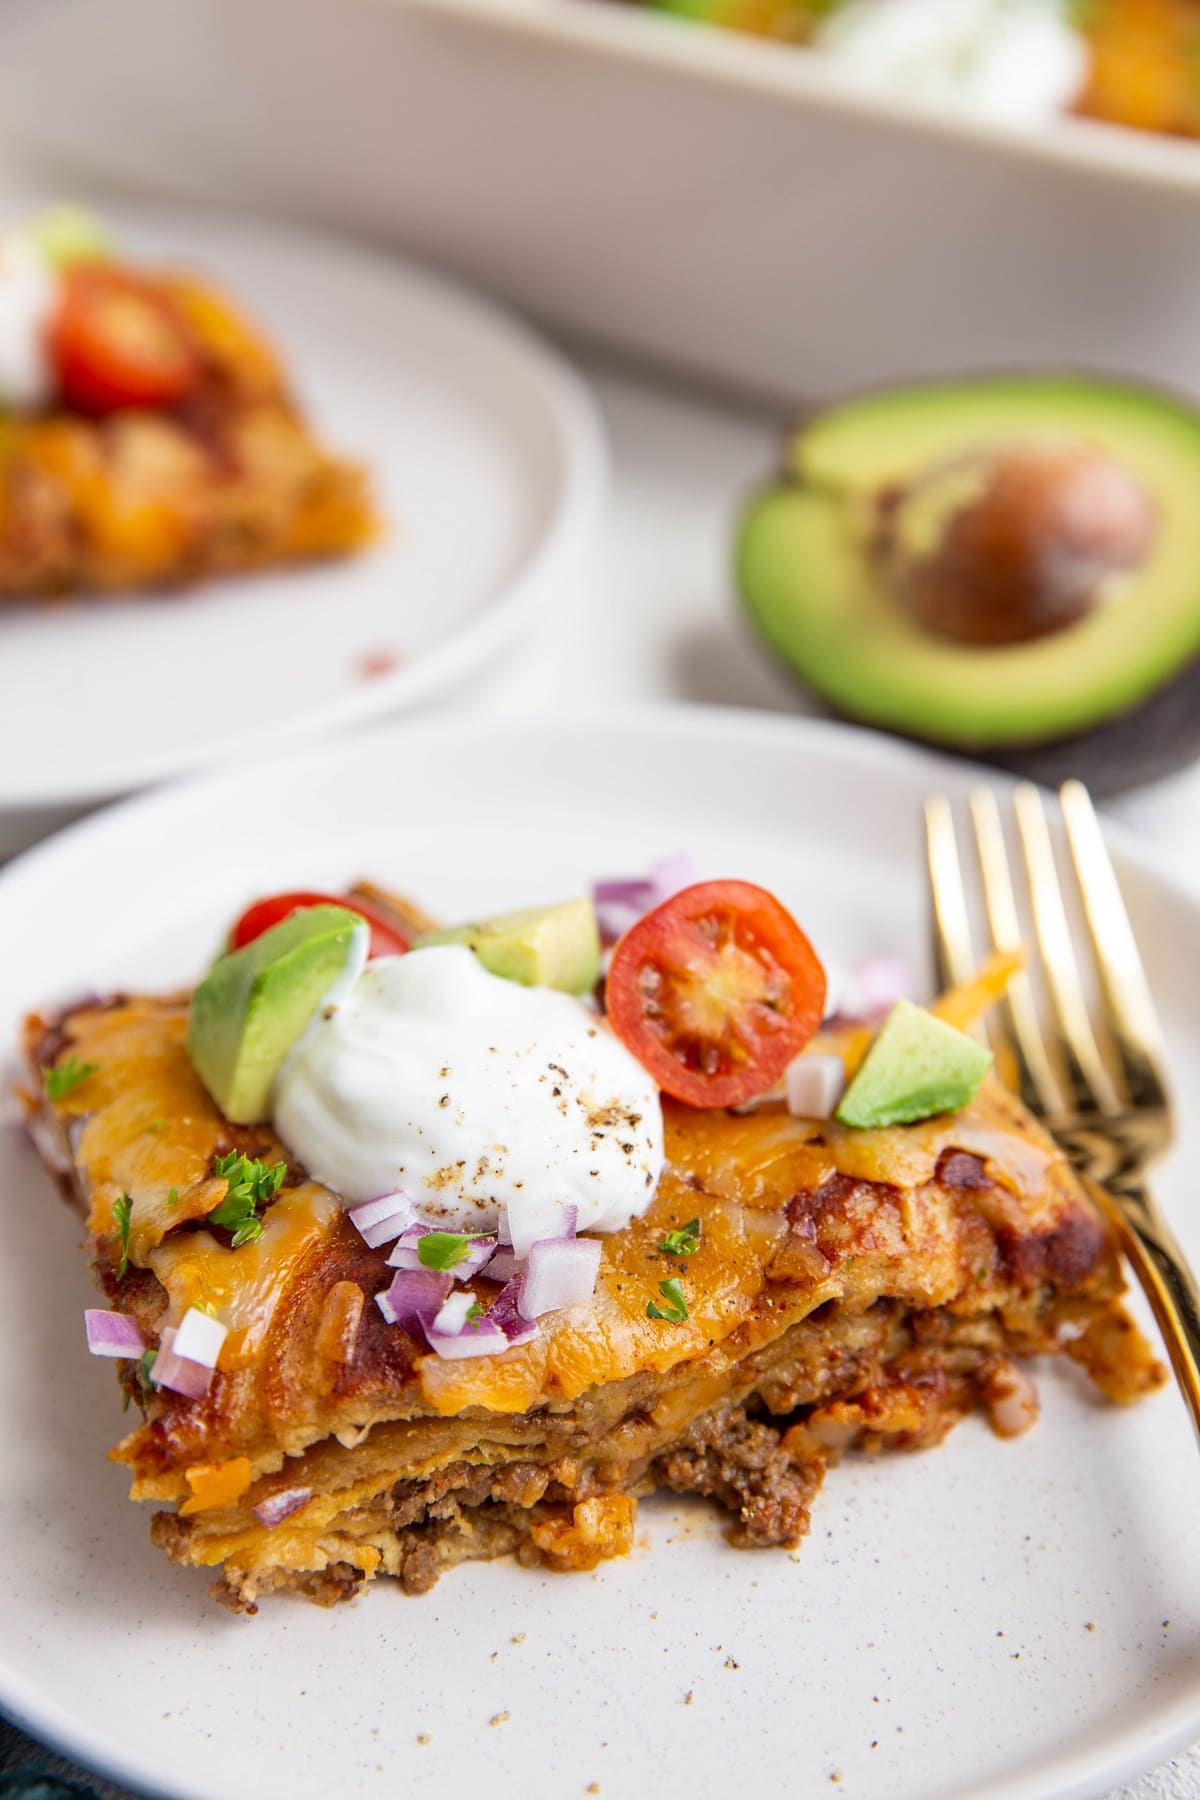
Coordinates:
953	950
1091	1082
1132	1019
1041	1085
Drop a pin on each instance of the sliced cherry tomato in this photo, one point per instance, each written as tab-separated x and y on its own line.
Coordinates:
386	939
715	991
116	340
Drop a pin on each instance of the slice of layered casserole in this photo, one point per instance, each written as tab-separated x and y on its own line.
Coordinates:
150	435
416	1250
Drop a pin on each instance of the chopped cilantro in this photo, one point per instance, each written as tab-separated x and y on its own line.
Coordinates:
442	1249
63	1079
675	1311
157	1125
173	1197
146	1363
122	1211
251	1184
474	1311
683	1241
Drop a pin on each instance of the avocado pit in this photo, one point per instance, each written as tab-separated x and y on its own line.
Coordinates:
1006	545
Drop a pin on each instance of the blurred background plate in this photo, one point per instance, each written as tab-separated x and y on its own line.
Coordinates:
990	1621
488	462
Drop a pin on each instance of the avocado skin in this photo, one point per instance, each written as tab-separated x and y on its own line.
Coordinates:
1116	729
255	1002
1158	738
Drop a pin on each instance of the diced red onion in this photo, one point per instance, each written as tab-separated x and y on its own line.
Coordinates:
379	1221
504	1264
179	1373
875	985
619	906
621	902
476	1339
199	1337
277	1507
452	1314
815	1083
404	1256
478	1253
112	1333
454	1337
532	1219
415	1297
383	1232
671	874
561	1272
404	1252
505	1312
372	1211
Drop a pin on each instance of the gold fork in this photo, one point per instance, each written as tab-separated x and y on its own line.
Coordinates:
1100	1092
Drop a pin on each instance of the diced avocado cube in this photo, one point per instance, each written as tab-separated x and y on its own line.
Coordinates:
254	1004
540	946
917	1066
70	234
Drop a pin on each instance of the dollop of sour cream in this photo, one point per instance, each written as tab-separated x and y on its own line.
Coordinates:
1019	62
483	1101
28	292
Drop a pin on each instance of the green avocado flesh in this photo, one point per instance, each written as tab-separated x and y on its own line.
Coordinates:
66	235
917	1066
811	589
255	1002
540	946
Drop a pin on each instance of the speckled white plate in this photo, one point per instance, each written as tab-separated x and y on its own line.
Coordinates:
487	461
1015	1621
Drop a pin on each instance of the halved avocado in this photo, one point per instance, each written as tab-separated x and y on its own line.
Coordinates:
818	554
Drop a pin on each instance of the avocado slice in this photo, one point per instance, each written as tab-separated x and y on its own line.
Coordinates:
539	946
254	1003
811	579
916	1067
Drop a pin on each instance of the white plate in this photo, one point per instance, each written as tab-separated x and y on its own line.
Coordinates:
488	462
988	1619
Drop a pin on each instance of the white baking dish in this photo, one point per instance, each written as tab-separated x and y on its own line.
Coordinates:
718	204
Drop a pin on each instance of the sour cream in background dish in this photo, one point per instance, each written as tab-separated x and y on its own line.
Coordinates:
1019	62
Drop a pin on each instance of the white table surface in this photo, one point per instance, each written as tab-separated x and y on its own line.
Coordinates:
651	618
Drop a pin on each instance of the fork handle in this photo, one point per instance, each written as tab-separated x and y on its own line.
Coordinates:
1165	1275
